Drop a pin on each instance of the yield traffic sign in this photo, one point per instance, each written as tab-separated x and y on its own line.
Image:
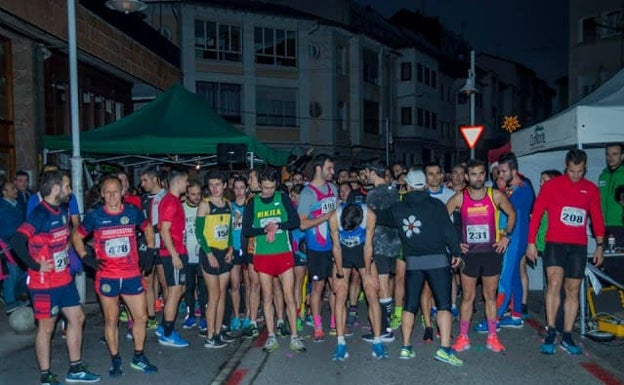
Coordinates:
471	134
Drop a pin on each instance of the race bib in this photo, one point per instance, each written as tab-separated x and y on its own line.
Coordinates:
60	260
118	247
265	221
350	242
328	205
221	232
573	216
478	233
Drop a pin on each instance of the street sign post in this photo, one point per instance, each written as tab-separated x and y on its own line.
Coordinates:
471	135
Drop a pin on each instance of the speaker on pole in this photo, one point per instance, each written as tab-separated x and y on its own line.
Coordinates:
230	154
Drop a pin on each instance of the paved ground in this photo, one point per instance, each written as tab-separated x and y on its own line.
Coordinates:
245	363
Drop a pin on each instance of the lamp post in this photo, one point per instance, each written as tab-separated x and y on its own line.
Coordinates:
471	90
76	160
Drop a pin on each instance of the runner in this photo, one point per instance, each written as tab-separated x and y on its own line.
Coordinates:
316	203
173	253
214	232
483	246
352	228
41	243
269	217
569	200
116	261
239	258
427	236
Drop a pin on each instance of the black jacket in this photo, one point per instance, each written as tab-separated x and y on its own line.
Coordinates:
423	224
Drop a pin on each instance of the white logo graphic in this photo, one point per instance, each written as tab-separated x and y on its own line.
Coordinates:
411	226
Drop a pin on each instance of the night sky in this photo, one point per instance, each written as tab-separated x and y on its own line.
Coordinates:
531	32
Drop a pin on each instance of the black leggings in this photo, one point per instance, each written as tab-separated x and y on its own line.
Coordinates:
195	280
439	281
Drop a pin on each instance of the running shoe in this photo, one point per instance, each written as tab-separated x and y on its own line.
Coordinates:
251	331
493	344
454	312
214	343
333	331
348	332
174	340
428	335
115	369
319	336
235	324
387	337
461	343
368	337
189	322
142	364
246	323
571	347
271	344
152	323
448	357
511	322
296	344
123	315
203	327
406	353
548	347
82	375
159	331
434	313
482	327
50	379
129	335
379	351
282	329
226	337
340	353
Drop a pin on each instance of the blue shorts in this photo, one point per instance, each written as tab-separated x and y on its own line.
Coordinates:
47	303
114	287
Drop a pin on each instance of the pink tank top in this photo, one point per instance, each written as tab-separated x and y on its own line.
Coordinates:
479	223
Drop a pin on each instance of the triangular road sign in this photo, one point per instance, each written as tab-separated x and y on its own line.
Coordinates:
471	134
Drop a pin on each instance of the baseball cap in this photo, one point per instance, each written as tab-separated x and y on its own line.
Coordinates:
415	179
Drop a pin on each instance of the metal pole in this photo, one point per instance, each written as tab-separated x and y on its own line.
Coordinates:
472	96
76	160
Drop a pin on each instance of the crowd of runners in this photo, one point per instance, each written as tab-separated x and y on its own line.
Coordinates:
240	251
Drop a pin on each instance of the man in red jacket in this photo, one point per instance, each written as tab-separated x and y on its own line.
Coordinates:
570	200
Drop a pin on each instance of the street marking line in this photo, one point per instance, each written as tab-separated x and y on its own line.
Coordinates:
231	364
236	377
261	339
600	373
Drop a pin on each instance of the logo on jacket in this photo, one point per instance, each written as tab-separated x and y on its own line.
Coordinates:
411	226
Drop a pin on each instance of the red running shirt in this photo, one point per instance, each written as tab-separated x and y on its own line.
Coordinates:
170	210
568	205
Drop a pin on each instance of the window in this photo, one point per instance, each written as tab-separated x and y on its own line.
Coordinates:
434	79
370	66
587	30
419	73
216	41
224	98
341	60
434	120
341	122
276	107
427	118
406	116
275	46
371	117
420	117
427	76
611	24
406	71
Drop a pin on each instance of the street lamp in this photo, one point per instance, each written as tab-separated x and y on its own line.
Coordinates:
470	89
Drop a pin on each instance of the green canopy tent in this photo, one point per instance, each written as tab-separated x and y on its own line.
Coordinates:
176	123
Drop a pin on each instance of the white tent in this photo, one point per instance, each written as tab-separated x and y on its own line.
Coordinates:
596	119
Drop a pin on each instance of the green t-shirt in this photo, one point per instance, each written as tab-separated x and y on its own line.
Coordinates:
607	183
273	211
